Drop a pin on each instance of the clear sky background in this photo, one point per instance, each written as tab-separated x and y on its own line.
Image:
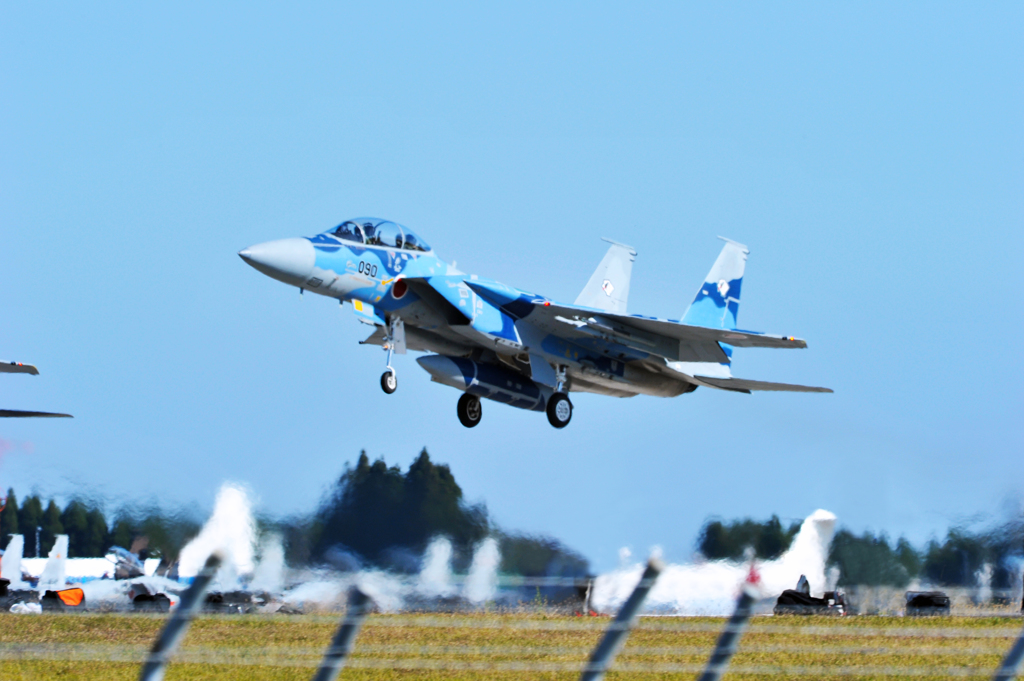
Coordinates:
870	155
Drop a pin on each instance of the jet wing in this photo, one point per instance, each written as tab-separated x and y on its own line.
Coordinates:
672	340
17	368
746	386
670	329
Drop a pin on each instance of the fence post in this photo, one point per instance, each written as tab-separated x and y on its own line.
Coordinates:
344	638
729	639
1011	663
177	625
605	652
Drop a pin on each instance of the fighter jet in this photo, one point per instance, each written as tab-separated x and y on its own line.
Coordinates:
19	368
490	340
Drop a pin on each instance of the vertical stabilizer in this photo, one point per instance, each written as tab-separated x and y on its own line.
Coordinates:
608	288
55	572
718	300
10	566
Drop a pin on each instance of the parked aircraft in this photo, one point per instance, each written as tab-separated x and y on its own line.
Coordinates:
494	341
19	368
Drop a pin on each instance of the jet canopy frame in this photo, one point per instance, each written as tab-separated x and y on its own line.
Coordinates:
380	232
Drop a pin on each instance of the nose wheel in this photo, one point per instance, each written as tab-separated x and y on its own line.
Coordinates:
469	410
559	410
394	341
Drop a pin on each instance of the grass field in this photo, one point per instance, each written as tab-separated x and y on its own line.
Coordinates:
514	646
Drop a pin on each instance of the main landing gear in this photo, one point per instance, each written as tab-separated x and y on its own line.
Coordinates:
469	410
559	408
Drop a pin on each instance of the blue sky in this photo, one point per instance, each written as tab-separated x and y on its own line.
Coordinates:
871	156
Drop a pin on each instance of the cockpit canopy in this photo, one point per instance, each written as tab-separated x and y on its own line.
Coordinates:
378	232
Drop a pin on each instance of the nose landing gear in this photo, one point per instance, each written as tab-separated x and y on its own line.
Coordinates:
394	341
559	410
469	410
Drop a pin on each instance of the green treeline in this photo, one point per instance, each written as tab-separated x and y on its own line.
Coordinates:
89	534
374	514
85	525
769	539
386	518
871	560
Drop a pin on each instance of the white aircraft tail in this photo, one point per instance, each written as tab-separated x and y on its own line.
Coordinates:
608	288
55	572
10	565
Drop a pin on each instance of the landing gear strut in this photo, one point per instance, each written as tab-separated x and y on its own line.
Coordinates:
389	379
395	336
469	410
559	408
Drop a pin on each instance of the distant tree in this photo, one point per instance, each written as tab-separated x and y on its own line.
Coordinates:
122	532
95	542
51	525
908	557
1005	544
30	517
432	505
165	533
301	534
870	561
9	518
539	557
957	560
718	540
375	508
75	522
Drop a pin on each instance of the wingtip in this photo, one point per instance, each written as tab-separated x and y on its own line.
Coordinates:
632	251
742	247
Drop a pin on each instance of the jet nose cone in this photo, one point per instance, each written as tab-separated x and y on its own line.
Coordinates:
287	260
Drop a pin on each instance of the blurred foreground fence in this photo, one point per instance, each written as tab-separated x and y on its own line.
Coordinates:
589	647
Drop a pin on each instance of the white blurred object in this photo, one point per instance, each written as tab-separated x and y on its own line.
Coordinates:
55	571
482	580
232	530
435	577
710	588
269	573
27	609
10	566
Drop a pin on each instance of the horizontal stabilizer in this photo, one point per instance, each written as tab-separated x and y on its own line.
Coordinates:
17	368
745	385
15	414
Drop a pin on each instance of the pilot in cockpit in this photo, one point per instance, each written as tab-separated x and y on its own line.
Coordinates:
371	238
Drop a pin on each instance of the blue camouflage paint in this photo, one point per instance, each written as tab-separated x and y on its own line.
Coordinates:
346	268
713	309
495	383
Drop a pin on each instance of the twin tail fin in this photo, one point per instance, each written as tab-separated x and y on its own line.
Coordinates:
717	303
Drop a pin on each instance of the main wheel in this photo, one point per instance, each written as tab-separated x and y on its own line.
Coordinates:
559	410
388	381
469	410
